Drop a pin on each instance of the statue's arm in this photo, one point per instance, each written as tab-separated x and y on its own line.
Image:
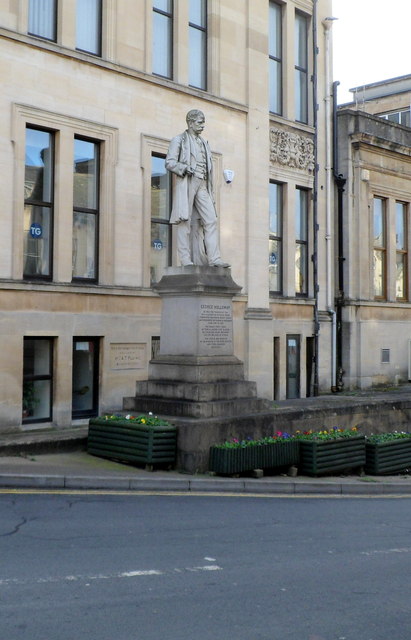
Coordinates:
173	163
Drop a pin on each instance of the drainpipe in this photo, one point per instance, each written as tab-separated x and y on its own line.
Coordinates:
315	205
340	300
327	24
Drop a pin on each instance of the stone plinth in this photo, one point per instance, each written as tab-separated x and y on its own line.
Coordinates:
196	376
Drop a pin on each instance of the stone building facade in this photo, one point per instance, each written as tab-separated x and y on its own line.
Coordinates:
374	163
92	94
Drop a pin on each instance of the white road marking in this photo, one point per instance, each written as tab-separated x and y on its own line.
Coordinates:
110	576
385	551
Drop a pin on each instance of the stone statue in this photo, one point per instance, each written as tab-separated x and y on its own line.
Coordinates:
194	213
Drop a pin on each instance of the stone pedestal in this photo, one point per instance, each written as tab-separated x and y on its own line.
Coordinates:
196	378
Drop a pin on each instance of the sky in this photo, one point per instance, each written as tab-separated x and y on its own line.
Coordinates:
371	42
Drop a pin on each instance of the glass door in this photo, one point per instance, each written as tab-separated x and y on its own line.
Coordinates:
85	377
293	366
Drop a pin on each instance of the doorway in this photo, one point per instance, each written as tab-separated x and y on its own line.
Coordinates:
85	377
293	366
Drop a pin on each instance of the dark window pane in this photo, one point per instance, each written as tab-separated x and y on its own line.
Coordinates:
85	174
301	215
197	14
84	245
42	18
38	180
275	30
379	273
301	269
301	106
197	61
160	189
275	205
163	5
400	225
400	275
162	39
301	41
37	245
88	26
275	261
379	231
275	86
160	250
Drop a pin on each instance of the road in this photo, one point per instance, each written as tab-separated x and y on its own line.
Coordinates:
133	567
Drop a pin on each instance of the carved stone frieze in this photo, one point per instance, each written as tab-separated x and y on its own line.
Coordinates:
291	150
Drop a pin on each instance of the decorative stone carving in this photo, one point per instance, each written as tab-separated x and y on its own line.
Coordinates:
291	150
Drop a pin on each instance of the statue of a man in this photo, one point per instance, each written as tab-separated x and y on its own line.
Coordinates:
194	213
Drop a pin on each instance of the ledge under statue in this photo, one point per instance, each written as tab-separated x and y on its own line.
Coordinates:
195	380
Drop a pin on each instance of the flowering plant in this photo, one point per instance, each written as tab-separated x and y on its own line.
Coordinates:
335	433
235	443
376	438
148	419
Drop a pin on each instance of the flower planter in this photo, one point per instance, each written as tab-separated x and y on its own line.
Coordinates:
328	456
388	457
242	459
131	442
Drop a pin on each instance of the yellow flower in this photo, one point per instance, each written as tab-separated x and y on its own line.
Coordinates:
143	421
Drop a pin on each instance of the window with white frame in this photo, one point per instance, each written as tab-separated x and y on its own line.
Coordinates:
43	19
275	237
379	247
301	68
38	204
301	242
88	26
399	117
162	62
198	44
275	57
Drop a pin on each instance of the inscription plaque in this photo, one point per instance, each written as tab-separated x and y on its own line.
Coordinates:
215	323
127	356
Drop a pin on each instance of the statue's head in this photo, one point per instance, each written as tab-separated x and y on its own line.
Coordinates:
193	115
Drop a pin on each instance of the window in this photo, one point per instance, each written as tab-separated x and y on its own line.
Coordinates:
198	44
380	248
401	250
43	19
161	235
163	38
301	242
86	209
37	379
301	68
275	62
38	204
399	117
275	241
88	26
85	377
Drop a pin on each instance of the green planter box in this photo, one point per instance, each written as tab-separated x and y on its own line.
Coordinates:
131	442
242	459
328	456
388	457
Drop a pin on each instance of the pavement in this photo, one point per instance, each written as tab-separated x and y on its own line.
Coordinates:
52	459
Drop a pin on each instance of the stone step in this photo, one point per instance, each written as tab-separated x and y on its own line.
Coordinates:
196	391
192	409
